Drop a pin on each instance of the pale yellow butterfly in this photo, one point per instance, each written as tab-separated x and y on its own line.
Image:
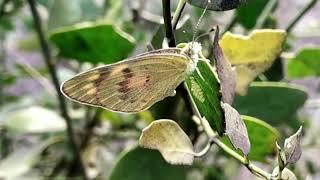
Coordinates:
136	83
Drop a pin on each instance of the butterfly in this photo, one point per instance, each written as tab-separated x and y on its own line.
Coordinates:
136	83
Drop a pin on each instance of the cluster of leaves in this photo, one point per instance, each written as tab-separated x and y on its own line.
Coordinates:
245	121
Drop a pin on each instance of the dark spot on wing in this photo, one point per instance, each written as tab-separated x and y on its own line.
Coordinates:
103	74
123	83
123	89
127	73
147	78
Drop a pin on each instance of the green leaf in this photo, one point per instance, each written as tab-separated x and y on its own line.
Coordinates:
144	164
34	120
262	137
305	63
248	14
221	5
273	102
205	90
172	142
93	42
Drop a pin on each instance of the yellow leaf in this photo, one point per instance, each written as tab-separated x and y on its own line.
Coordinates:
253	54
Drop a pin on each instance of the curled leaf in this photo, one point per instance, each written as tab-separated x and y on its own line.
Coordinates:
225	72
236	129
292	147
166	136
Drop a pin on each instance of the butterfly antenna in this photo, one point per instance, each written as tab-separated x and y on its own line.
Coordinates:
204	34
199	21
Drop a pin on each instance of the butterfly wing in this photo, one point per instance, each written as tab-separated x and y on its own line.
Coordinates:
129	86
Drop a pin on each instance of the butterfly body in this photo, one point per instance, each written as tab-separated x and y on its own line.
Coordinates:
134	84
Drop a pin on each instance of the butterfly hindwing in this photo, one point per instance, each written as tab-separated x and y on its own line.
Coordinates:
131	85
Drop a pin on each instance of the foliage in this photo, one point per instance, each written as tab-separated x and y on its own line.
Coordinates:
243	97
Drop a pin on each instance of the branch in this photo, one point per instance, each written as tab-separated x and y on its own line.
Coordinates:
50	65
89	128
300	15
178	13
265	13
167	23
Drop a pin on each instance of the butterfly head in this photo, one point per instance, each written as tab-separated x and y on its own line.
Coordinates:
192	50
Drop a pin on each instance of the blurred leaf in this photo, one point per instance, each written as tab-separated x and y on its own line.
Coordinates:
236	129
222	5
214	173
273	102
205	90
44	2
305	63
21	160
93	42
252	54
248	14
262	137
167	137
65	13
29	44
226	74
145	164
146	116
292	147
6	24
118	119
34	120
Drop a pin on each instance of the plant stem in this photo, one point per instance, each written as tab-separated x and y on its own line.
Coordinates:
300	15
52	70
265	13
253	168
178	13
213	137
167	23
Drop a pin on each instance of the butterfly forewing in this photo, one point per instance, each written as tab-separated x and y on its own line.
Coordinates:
131	85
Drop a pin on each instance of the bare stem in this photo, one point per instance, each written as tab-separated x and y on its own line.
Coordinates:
265	13
178	13
167	23
52	70
300	15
